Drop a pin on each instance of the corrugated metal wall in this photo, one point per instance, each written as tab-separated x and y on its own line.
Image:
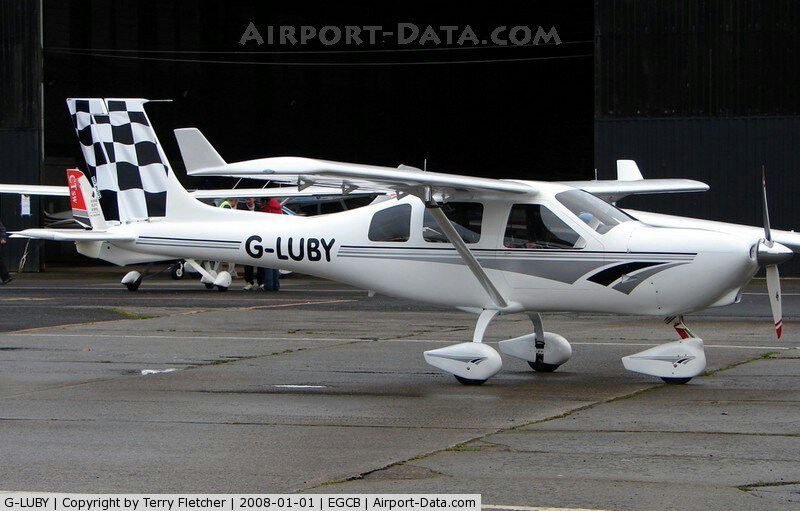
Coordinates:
20	118
696	58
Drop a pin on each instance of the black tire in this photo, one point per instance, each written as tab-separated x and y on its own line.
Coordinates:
133	286
208	286
222	289
177	271
541	367
676	381
467	381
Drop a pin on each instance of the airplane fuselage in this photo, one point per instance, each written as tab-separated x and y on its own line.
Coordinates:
631	269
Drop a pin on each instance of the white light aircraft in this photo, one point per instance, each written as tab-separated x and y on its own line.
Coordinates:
486	246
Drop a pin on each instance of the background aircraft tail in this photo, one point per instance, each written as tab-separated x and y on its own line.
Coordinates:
86	208
133	177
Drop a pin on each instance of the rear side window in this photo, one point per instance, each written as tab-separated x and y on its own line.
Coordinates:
535	226
466	217
391	224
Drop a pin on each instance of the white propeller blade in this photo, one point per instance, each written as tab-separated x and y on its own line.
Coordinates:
773	278
767	231
774	291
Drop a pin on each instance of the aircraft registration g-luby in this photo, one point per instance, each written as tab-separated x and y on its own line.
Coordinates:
486	246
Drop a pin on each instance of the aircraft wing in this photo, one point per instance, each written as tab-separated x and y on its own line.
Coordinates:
72	235
368	178
614	190
54	191
201	159
282	192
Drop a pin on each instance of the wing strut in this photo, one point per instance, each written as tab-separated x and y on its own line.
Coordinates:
464	252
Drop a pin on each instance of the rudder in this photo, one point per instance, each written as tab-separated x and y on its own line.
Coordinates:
86	208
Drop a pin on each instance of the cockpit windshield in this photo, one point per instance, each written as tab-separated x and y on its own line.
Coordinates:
593	211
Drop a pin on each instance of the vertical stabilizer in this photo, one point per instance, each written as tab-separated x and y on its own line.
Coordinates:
86	208
133	176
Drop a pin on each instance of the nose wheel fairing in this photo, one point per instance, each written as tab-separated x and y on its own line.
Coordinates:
673	362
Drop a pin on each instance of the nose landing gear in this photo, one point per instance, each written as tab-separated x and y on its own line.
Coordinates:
675	362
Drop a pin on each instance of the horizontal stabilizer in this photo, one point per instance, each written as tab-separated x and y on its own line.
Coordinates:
614	190
53	191
196	150
72	235
627	170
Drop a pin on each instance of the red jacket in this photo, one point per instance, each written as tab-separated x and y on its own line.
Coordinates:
272	206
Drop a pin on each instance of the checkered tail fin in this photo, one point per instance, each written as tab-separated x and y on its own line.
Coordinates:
132	175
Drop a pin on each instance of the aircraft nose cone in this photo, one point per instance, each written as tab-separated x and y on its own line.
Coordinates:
769	253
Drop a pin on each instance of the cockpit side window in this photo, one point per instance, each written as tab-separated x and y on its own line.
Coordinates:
466	217
391	224
535	226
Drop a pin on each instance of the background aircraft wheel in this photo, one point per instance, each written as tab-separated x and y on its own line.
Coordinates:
467	381
676	381
177	271
222	289
541	367
208	286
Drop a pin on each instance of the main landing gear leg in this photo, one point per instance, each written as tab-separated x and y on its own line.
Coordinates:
675	362
472	363
544	351
209	277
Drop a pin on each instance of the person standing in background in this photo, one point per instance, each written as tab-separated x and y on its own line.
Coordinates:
5	278
229	204
272	276
250	204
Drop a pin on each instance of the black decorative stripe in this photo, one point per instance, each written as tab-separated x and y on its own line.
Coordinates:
541	251
170	238
186	245
609	275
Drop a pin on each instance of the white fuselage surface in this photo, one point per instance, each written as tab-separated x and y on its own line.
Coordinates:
631	268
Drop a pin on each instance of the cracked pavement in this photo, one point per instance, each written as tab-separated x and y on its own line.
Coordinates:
321	389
